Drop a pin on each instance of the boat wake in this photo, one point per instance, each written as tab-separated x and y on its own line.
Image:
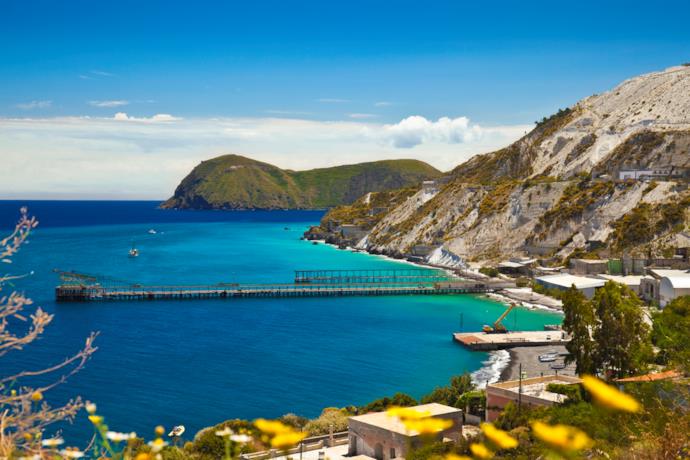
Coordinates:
491	370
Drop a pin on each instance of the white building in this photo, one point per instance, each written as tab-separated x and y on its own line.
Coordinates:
565	281
673	285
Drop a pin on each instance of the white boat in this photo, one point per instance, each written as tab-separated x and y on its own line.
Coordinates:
548	357
134	252
152	231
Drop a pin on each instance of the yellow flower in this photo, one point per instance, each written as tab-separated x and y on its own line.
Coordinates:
499	437
287	439
28	437
159	430
272	427
609	396
456	457
96	419
36	396
157	445
13	393
481	451
407	413
143	456
427	426
562	437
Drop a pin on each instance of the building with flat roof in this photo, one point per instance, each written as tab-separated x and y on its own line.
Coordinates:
380	436
565	281
530	392
589	266
634	282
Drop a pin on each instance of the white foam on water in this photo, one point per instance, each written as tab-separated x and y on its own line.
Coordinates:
491	369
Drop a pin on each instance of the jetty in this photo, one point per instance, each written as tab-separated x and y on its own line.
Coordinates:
483	341
79	287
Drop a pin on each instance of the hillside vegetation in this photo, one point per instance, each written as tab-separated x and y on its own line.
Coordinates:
237	182
558	188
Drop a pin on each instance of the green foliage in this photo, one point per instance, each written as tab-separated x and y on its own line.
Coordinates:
473	401
621	334
579	321
295	421
497	199
208	446
330	417
434	450
671	333
489	271
358	212
562	113
576	199
381	404
236	182
645	222
572	392
450	395
609	334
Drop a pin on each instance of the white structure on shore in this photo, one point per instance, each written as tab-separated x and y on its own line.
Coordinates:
565	281
673	285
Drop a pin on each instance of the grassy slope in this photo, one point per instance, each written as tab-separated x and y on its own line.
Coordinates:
236	182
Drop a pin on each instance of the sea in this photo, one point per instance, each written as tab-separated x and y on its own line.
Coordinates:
199	362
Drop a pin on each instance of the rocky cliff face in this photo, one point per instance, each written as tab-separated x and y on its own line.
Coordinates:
236	182
558	189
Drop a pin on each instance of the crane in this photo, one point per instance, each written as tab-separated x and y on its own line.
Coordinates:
498	327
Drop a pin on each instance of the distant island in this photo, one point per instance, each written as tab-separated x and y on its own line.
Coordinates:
234	182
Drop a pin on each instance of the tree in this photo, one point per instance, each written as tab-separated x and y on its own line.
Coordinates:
671	333
24	414
381	404
608	333
579	323
622	337
450	394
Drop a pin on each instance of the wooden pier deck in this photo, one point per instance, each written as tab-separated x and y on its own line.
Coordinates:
79	287
96	293
482	341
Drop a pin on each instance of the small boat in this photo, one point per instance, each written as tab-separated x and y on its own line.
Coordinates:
557	366
314	243
286	228
134	252
152	231
177	431
548	357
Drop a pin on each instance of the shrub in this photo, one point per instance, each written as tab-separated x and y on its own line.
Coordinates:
330	417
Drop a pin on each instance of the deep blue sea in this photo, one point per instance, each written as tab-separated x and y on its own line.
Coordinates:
199	362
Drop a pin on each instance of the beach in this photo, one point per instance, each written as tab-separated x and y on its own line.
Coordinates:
531	366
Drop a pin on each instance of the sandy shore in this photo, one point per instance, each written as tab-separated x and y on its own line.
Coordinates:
531	366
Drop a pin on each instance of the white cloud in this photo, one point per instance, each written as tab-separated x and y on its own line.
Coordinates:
109	103
148	156
332	100
415	130
382	104
159	117
101	73
361	116
35	105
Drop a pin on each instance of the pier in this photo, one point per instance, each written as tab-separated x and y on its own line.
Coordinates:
483	341
77	287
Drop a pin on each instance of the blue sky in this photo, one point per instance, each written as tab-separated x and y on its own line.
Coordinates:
500	64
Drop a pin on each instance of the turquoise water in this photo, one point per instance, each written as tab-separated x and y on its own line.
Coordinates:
201	362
